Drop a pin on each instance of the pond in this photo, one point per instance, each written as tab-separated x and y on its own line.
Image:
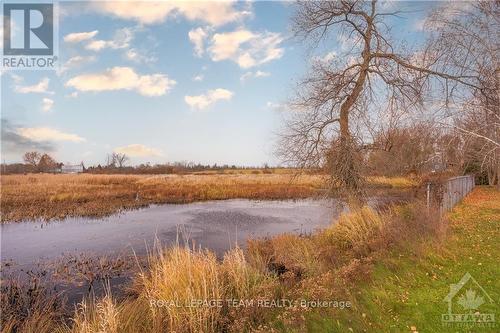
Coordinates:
217	225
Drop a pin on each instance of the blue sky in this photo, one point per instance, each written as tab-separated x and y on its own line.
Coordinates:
164	82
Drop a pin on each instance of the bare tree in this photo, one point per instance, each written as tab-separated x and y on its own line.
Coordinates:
415	149
479	126
339	95
47	163
119	159
32	158
465	40
110	161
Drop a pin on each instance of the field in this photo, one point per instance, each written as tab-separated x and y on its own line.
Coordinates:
47	196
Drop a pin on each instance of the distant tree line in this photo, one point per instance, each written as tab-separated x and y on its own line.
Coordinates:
165	168
115	163
33	162
417	150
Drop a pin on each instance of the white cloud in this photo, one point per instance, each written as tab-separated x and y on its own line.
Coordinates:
203	101
78	37
47	134
257	74
327	57
388	5
226	45
154	85
198	78
14	29
215	13
17	78
197	37
348	43
245	47
275	106
121	40
76	61
419	25
79	60
47	104
138	150
40	87
139	57
96	45
123	78
261	74
447	11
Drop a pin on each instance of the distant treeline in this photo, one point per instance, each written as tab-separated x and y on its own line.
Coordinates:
167	168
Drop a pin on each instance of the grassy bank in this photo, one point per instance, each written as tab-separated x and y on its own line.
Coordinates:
402	289
407	288
57	196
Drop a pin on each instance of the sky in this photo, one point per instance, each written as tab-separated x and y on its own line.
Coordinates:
204	82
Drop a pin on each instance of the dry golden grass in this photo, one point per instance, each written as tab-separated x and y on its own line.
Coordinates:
356	228
96	316
169	292
57	196
395	182
48	196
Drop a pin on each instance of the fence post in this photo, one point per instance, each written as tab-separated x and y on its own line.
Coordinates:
428	196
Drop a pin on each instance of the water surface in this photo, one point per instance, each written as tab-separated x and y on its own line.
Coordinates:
70	253
217	225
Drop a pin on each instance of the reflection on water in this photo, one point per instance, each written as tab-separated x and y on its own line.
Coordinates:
216	225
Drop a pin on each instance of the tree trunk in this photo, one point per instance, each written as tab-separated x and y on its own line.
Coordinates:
345	165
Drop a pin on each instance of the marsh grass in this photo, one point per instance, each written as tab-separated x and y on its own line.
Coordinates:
168	293
96	315
355	236
356	229
29	306
393	182
287	253
47	196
